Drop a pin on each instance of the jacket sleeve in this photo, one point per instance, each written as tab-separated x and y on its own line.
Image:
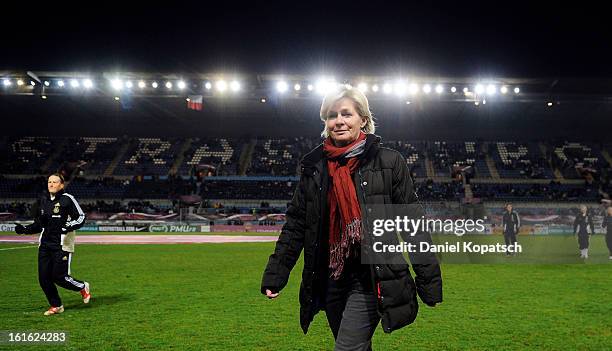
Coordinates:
77	216
518	222
591	225
428	277
575	225
38	224
288	246
604	223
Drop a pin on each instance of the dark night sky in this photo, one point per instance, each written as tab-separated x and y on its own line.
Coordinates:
466	39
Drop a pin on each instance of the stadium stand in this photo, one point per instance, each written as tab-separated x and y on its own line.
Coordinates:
149	156
26	155
279	157
218	154
520	160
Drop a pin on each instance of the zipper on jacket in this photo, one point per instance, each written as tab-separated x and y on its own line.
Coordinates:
375	284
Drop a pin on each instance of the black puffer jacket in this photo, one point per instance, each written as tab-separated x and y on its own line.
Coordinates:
306	229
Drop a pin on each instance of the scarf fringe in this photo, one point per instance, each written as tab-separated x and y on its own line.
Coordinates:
342	249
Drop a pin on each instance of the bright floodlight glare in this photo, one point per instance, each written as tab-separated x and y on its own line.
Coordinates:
181	85
6	82
32	83
44	97
414	88
309	87
325	86
87	83
60	83
363	87
281	86
517	90
439	89
407	102
427	88
46	83
19	82
263	100
491	89
74	83
129	84
504	89
142	84
375	88
169	85
476	103
549	104
453	89
466	90
387	88
400	88
116	98
117	84
208	85
484	102
154	85
297	87
221	85
479	89
235	86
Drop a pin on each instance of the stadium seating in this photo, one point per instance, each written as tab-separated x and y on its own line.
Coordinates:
149	156
220	154
573	157
414	154
279	157
27	155
520	160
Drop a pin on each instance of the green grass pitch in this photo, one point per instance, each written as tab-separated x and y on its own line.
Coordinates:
206	297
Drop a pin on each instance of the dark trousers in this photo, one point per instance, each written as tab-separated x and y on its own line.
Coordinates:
609	242
510	238
583	241
54	268
351	310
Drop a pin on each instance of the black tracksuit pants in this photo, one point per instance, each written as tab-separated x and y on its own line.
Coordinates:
510	238
54	268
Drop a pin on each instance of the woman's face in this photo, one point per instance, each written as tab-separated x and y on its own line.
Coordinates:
54	184
343	122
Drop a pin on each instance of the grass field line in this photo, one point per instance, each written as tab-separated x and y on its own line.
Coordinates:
18	247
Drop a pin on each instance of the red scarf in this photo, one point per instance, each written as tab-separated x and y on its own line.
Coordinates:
345	215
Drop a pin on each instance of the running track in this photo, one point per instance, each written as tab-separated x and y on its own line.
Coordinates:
147	239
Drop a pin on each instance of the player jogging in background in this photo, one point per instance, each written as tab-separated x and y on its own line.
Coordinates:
56	219
583	226
511	223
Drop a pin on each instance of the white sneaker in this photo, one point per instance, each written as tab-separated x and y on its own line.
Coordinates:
85	293
54	310
610	257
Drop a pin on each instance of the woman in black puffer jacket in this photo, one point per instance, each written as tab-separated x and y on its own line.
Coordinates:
330	217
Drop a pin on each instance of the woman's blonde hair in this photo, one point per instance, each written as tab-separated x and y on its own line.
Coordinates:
361	105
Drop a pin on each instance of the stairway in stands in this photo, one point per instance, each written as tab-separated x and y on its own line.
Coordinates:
111	167
178	161
246	155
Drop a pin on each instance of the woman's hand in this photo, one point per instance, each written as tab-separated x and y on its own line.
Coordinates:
270	294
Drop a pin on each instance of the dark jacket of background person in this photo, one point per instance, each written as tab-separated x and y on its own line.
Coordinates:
511	222
306	228
583	225
607	223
